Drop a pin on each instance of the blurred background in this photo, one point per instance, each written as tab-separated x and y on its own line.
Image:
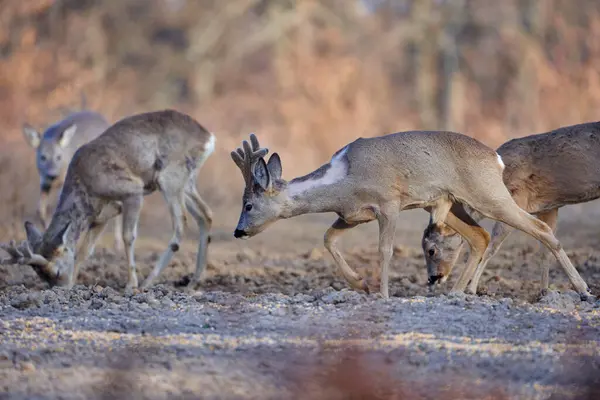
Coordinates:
307	76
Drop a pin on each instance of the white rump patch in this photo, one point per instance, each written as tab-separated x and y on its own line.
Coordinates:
500	161
209	147
337	171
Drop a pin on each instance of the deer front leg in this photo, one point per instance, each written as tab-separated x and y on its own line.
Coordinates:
499	234
203	216
86	248
478	240
118	233
340	226
551	219
43	208
387	231
131	213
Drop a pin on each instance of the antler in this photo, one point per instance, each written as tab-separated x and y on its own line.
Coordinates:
246	156
22	254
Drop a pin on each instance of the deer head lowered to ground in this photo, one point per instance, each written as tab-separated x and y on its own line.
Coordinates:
543	173
376	178
109	176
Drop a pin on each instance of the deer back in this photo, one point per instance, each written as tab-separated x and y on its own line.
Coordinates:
420	165
138	147
555	168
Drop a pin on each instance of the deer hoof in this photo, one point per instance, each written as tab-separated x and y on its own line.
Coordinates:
590	298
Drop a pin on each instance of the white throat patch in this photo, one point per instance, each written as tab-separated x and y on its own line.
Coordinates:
338	169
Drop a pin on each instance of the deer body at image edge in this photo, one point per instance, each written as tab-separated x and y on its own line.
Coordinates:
543	173
376	178
109	176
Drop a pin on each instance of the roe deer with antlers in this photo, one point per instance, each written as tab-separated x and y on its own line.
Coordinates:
376	178
543	173
108	176
54	148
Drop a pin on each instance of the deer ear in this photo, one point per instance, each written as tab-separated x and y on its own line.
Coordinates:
34	236
261	174
274	167
67	135
32	136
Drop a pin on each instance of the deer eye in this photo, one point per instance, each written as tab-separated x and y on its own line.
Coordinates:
431	252
42	158
248	207
58	158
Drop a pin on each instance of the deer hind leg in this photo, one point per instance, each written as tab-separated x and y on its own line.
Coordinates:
131	214
500	206
331	236
551	219
203	217
500	233
171	186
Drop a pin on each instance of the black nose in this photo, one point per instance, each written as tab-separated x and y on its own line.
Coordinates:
434	278
46	186
239	233
51	178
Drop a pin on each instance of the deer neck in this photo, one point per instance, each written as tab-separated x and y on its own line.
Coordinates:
314	200
75	209
318	191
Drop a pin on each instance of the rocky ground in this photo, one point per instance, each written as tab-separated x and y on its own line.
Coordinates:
274	319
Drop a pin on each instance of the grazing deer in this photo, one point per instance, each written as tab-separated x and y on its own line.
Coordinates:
543	173
110	175
54	149
376	178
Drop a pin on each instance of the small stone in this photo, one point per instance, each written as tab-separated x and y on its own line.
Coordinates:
315	254
27	366
245	255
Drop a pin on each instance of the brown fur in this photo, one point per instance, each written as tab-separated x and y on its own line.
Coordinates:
543	173
111	174
388	174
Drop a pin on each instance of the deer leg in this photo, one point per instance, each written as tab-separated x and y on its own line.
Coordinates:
43	208
551	219
86	248
174	201
499	234
131	214
387	231
203	216
501	207
476	237
118	233
331	236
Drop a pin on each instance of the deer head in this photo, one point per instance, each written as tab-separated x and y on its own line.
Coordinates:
264	195
51	260
51	151
441	247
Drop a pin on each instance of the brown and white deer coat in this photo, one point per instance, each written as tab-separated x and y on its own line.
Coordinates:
110	175
54	148
376	178
543	173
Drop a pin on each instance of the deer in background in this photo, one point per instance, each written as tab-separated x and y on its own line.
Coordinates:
376	178
109	176
543	173
54	149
